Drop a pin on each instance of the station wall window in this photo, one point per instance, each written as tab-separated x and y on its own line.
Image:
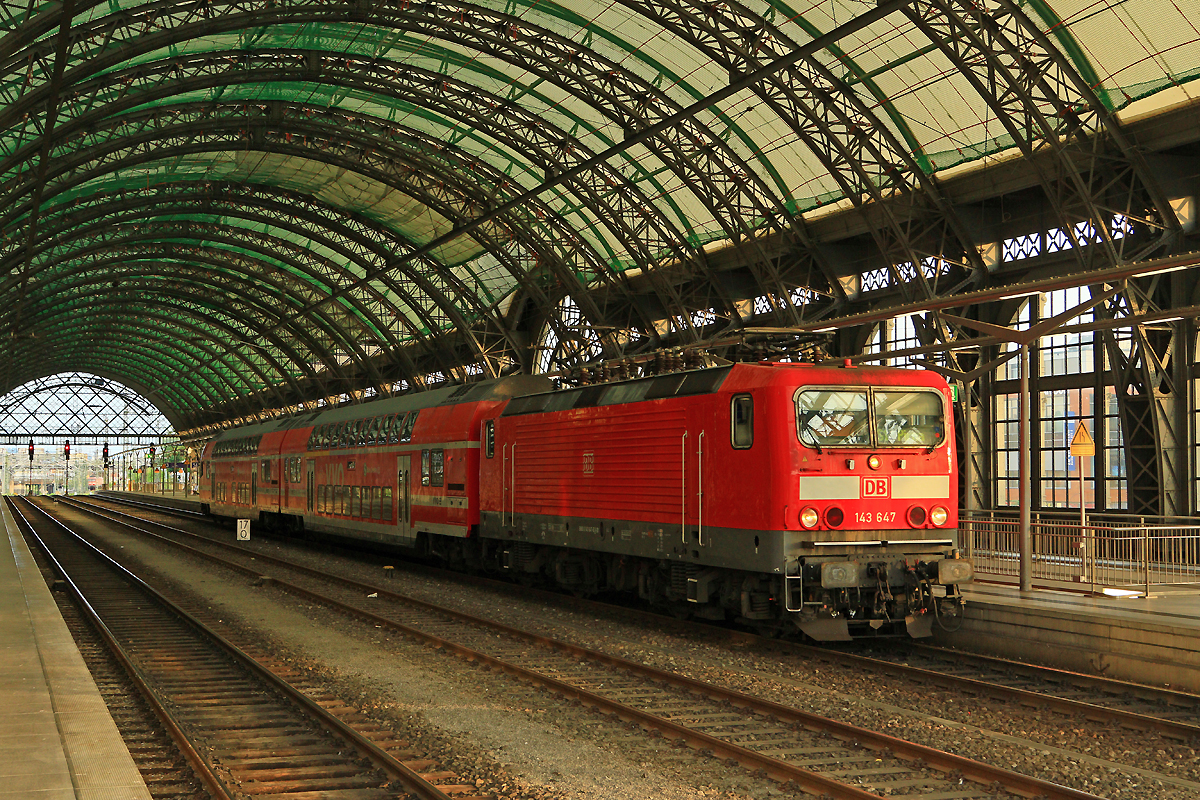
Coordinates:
1067	385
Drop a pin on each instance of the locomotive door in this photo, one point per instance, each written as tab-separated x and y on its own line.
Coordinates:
693	478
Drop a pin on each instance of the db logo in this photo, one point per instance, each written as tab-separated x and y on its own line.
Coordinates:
875	487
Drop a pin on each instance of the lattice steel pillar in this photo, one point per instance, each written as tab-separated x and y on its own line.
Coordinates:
1148	383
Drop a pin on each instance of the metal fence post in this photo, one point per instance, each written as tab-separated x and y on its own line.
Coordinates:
1145	552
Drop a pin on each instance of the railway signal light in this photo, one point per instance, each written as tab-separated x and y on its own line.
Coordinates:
31	451
106	454
67	449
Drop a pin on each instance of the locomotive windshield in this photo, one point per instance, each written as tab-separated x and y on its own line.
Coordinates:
870	418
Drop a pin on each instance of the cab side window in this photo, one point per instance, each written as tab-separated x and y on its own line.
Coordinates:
437	458
741	413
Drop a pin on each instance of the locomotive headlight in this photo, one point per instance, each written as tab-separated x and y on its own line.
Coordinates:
809	517
955	570
839	574
873	462
939	515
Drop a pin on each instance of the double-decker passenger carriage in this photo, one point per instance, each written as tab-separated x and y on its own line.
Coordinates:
779	495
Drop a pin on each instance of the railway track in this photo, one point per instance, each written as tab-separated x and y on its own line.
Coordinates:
801	750
1121	704
243	727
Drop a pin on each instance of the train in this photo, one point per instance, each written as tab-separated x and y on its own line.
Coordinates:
810	497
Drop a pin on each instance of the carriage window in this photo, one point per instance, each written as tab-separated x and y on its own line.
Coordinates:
742	419
410	422
355	501
436	458
373	436
387	503
489	438
908	418
424	467
265	472
833	418
393	428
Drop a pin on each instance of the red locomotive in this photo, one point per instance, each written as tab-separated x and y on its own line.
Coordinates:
776	494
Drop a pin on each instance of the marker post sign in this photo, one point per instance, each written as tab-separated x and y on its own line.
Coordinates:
243	530
1082	444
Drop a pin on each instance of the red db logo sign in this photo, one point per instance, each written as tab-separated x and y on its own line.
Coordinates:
875	488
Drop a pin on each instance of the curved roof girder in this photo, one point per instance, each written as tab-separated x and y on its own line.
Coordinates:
124	361
231	344
245	243
352	158
320	222
637	97
857	149
250	285
219	292
72	327
1015	70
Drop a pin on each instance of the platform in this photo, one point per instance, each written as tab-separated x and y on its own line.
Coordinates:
1153	640
57	738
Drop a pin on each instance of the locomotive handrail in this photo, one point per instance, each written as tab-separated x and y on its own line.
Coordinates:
512	487
700	487
503	481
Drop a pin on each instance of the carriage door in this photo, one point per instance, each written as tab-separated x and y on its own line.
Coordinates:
254	487
403	498
311	484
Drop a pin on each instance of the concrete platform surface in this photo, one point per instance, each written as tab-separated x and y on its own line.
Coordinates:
57	738
1152	640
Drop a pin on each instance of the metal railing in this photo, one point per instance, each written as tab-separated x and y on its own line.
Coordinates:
1112	552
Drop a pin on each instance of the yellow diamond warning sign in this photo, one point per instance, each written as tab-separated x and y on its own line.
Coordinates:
1082	443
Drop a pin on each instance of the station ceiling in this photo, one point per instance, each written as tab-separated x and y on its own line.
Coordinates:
234	206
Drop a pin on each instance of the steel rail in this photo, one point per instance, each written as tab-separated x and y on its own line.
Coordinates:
1181	730
203	772
412	781
976	772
